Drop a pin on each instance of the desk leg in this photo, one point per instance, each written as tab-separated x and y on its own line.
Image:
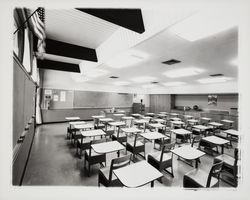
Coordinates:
196	163
152	183
118	154
222	149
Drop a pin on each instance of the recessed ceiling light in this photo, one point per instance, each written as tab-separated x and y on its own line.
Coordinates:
113	77
171	62
173	83
204	24
126	59
120	83
80	79
154	82
216	75
190	71
143	79
214	80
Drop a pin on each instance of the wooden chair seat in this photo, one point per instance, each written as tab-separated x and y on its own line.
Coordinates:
93	153
138	143
199	178
157	156
228	160
105	172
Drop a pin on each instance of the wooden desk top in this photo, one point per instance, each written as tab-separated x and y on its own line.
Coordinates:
188	116
162	115
158	125
131	130
150	113
188	153
215	140
117	123
98	116
205	118
227	121
72	118
153	135
201	127
83	126
177	122
128	118
119	114
106	119
181	131
77	122
107	147
215	124
92	133
159	120
174	114
140	121
175	119
136	114
193	121
146	117
137	174
165	113
232	132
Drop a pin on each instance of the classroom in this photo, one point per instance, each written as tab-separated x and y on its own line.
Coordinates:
126	97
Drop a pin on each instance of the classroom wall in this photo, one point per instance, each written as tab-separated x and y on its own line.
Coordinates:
224	101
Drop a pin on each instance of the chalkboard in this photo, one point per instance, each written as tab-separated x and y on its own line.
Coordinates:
101	99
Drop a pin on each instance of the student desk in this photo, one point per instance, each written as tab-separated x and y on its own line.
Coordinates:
188	116
200	128
72	118
159	120
157	126
150	114
108	147
181	132
188	153
192	121
216	141
92	133
232	132
117	124
131	130
141	121
177	123
173	114
152	136
162	115
137	174
105	121
118	116
127	118
215	124
83	126
175	119
96	118
136	115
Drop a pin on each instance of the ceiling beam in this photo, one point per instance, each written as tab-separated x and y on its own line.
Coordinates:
127	18
55	65
69	50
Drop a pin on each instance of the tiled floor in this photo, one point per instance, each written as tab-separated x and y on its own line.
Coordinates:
53	162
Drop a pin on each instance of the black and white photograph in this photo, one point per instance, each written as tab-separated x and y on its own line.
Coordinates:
107	99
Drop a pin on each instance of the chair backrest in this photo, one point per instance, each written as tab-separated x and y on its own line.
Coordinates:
166	149
196	139
96	142
236	156
118	163
214	172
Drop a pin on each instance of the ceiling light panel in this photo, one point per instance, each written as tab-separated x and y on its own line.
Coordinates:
204	24
143	79
174	83
94	73
176	73
127	59
214	80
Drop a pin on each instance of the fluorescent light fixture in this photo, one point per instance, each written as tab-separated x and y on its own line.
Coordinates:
148	86
126	59
143	79
204	24
214	80
80	78
234	62
191	71
173	83
121	83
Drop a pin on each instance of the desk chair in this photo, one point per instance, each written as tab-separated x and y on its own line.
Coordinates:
120	137
92	157
163	159
136	147
75	136
197	178
229	167
207	145
82	145
109	133
105	175
167	140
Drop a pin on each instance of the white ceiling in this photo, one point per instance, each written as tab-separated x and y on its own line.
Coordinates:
76	27
213	54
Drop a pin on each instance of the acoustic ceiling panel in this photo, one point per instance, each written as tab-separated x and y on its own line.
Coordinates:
55	65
